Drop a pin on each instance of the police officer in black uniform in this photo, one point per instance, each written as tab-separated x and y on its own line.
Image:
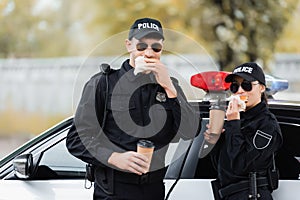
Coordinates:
244	153
120	107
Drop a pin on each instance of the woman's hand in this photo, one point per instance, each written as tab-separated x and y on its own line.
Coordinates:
232	112
210	137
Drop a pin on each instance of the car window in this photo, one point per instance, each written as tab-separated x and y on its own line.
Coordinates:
60	163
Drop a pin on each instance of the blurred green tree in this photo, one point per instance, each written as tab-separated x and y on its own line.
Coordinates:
13	16
239	31
115	16
233	31
29	31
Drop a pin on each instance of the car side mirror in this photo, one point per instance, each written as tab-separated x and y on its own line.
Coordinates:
23	166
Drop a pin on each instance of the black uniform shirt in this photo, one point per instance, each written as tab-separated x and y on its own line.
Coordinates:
247	145
132	114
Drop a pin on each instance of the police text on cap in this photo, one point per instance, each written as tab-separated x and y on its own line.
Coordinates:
243	69
148	25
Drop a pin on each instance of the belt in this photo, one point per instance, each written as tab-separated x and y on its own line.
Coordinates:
240	186
150	177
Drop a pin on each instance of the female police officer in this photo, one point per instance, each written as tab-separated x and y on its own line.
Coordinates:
244	154
131	106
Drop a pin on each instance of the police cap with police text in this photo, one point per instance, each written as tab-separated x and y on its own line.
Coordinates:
145	26
249	71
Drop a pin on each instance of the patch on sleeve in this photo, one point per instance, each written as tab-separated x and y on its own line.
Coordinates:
261	140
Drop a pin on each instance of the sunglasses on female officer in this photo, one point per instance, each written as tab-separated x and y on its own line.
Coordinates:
156	47
246	85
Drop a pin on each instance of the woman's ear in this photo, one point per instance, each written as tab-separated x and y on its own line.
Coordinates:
262	88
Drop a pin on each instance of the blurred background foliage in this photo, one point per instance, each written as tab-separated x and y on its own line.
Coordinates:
232	31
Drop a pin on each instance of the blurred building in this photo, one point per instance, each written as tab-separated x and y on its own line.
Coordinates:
54	85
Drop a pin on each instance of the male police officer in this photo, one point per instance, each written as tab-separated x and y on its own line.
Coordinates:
130	107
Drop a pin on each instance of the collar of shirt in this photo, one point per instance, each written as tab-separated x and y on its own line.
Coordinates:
253	112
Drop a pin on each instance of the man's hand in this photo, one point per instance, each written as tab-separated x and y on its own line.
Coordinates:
162	76
130	161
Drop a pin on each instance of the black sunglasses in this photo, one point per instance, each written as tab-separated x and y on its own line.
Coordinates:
156	47
246	85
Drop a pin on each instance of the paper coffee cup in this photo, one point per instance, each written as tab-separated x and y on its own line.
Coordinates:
216	121
146	148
